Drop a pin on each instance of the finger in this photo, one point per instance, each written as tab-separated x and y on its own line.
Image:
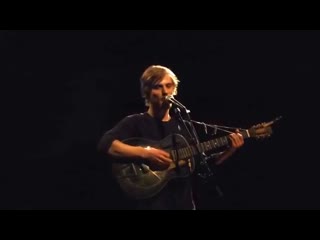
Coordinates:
166	159
233	142
240	138
162	152
161	162
236	139
166	154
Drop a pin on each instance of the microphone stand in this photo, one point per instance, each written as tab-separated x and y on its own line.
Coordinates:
194	137
207	172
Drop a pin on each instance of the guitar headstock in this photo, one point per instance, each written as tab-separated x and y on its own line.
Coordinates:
262	130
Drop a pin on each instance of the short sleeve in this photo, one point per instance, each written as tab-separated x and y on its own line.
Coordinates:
124	129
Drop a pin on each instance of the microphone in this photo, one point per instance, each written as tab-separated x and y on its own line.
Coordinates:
176	102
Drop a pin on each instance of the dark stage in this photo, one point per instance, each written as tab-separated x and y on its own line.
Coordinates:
64	89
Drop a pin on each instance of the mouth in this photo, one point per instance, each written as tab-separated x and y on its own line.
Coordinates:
166	98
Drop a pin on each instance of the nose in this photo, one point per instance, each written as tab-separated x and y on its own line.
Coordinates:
164	91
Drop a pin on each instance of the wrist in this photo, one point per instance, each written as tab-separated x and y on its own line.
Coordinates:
231	149
144	152
228	152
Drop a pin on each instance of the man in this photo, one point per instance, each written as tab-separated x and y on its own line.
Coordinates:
157	82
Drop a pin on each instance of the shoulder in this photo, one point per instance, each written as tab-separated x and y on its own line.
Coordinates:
136	117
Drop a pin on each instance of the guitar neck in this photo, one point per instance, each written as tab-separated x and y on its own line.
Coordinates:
192	150
218	142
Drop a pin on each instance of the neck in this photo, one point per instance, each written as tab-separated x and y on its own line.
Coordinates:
164	116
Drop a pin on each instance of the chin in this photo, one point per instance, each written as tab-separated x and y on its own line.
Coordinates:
165	105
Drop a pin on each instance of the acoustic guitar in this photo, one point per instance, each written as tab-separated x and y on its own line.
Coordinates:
140	180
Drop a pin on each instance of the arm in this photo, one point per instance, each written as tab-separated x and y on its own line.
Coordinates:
111	143
157	156
236	142
119	149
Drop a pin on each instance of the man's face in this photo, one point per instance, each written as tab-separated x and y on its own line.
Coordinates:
160	90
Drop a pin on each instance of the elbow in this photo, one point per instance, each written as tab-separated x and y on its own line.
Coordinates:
111	151
112	148
103	148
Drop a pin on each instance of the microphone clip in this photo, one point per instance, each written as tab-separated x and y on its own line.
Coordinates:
175	102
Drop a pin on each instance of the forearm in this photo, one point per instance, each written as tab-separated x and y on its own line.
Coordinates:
224	156
119	149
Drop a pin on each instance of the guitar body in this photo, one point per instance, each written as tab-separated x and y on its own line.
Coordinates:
140	180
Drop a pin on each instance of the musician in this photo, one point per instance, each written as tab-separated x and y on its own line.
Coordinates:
155	124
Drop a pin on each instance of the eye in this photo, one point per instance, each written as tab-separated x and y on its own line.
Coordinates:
156	86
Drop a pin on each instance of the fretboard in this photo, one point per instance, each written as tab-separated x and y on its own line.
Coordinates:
216	143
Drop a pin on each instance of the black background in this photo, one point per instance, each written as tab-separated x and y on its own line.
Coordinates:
64	88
